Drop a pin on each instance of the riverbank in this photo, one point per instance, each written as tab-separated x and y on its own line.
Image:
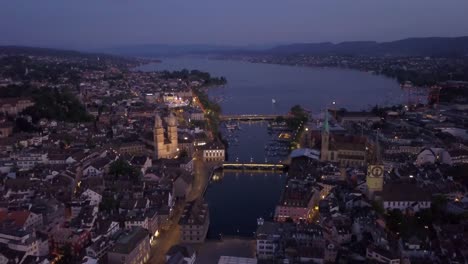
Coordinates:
211	109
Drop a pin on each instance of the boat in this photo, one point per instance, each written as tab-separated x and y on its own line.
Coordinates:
231	126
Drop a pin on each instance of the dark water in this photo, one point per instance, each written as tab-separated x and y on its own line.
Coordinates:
251	87
239	198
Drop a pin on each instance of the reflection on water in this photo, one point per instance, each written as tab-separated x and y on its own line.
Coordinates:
237	199
254	142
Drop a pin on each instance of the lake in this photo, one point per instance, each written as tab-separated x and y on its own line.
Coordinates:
252	86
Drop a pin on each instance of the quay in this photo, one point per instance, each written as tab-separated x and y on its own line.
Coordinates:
250	117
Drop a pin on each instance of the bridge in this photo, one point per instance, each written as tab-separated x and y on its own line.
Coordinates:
248	117
251	166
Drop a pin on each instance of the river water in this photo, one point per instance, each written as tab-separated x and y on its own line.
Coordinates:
239	198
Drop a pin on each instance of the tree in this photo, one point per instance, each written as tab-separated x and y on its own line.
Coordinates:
21	124
122	169
394	219
55	104
378	207
108	204
66	254
183	154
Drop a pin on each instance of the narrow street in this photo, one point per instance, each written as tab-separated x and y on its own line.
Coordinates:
171	237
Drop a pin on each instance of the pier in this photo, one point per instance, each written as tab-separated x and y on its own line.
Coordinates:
250	117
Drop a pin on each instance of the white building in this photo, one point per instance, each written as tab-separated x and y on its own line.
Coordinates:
382	255
24	241
405	197
433	155
94	197
213	152
28	160
268	236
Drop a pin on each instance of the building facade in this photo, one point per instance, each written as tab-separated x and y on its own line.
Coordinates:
213	152
194	222
130	248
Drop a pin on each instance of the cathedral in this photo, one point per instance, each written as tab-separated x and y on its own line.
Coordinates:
347	150
165	140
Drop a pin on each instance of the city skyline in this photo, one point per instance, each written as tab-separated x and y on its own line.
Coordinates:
106	24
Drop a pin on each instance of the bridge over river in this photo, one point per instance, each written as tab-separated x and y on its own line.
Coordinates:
250	117
253	166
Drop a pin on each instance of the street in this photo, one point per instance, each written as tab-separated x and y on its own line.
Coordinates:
170	237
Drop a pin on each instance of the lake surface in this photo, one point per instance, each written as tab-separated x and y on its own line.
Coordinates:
252	86
239	198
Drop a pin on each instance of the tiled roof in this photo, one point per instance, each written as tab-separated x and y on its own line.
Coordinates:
18	218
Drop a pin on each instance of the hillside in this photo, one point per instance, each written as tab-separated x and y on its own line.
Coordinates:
435	46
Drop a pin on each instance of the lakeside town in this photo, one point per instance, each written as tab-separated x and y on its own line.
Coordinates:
102	163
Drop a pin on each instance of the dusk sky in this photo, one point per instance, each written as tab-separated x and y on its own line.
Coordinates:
109	23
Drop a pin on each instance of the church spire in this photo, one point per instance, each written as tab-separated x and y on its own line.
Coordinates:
157	121
326	127
378	156
324	151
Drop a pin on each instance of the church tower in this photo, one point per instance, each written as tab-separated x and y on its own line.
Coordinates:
158	133
172	132
324	155
165	144
375	171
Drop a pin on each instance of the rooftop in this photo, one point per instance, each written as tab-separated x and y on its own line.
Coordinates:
129	241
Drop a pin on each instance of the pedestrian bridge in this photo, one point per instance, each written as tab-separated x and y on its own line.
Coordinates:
251	166
248	117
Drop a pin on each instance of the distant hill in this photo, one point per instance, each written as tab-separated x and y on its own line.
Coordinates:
158	50
24	50
434	46
35	51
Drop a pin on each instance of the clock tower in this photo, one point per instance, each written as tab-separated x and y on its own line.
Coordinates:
375	172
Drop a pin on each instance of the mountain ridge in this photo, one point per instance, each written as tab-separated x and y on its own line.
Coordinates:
428	46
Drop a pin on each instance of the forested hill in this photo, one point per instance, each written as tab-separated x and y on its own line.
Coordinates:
36	51
435	46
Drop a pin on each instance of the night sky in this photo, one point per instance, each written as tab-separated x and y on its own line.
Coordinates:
109	23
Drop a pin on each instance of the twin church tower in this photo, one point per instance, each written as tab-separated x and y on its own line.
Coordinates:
165	140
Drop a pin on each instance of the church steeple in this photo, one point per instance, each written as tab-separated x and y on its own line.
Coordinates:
157	121
326	126
324	151
377	155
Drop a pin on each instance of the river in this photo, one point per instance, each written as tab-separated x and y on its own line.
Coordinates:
239	198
